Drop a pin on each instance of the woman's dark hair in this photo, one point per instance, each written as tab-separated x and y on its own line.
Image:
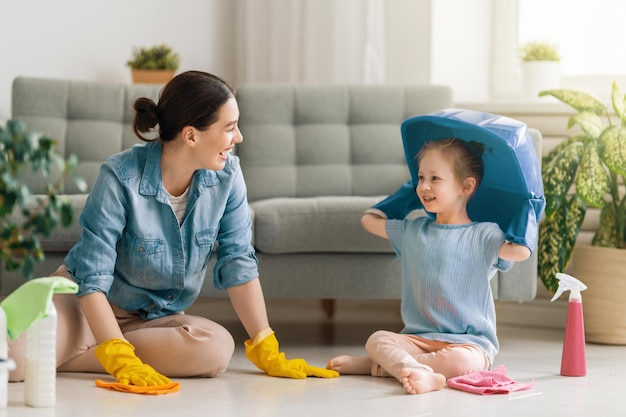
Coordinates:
192	98
466	157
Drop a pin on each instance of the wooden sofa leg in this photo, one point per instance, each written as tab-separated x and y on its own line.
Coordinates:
328	305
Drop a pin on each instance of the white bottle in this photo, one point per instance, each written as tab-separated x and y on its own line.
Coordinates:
6	364
40	367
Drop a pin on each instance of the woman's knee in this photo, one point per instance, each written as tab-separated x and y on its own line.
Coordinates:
221	353
214	354
195	348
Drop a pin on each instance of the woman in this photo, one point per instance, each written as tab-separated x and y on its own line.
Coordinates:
153	217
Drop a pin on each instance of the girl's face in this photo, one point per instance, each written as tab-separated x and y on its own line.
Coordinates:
438	188
220	138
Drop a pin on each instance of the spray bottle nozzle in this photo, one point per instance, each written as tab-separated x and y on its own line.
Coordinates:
568	283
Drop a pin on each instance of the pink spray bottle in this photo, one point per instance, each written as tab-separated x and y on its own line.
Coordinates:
574	357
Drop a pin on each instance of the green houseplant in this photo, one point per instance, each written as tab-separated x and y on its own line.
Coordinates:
541	67
585	170
589	170
156	64
539	51
25	218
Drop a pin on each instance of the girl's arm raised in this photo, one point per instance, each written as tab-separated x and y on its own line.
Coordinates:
514	252
374	224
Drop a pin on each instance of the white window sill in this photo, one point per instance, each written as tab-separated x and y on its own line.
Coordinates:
546	105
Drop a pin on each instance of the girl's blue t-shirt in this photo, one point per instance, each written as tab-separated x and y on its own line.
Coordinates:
446	271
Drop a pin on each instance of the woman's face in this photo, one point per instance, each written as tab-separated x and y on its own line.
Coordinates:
219	139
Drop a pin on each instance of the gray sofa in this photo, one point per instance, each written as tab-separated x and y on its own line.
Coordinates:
314	158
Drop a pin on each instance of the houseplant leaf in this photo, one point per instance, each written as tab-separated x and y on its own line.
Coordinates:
25	217
579	100
618	101
558	175
592	182
605	236
612	145
557	236
590	123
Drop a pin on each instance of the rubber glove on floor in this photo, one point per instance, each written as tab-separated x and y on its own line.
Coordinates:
118	358
263	352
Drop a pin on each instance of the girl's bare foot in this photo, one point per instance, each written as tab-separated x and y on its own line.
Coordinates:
351	365
419	381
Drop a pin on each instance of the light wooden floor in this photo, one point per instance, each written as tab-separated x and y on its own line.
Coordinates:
529	353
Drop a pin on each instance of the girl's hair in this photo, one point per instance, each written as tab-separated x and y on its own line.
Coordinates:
466	158
192	98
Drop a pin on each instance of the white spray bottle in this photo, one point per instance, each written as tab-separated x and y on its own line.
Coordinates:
574	357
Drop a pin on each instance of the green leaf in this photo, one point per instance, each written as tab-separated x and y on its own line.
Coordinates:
606	235
592	181
28	267
579	100
558	175
612	145
21	150
617	99
80	182
590	123
156	57
559	148
548	254
576	211
67	214
557	236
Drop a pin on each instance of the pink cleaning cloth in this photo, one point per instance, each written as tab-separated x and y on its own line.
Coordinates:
488	382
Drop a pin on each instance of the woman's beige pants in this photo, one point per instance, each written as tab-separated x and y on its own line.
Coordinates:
179	345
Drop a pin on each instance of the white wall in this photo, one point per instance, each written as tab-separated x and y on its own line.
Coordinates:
461	34
93	40
409	44
429	41
441	42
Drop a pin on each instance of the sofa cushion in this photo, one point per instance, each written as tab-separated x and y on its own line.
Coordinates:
90	120
315	224
315	140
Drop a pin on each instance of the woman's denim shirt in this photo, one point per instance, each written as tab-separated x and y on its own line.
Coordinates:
133	249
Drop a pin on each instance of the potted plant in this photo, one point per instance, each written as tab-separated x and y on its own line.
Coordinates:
25	218
540	67
153	65
588	169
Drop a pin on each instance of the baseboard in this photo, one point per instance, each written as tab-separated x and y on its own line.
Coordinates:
536	313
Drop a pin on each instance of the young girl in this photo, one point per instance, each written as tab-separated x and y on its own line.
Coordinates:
447	304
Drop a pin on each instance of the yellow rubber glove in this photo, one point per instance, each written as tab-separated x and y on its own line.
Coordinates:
118	358
265	355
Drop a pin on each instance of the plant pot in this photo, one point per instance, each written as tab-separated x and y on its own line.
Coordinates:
152	76
539	76
602	271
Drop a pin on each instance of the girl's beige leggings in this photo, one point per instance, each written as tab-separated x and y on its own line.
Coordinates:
179	345
390	352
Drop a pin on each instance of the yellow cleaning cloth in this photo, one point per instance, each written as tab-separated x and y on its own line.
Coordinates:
31	302
135	389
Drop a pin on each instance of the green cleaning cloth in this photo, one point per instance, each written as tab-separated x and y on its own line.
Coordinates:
31	302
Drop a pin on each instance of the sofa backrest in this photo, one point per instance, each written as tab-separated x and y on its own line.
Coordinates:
299	140
312	140
89	119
